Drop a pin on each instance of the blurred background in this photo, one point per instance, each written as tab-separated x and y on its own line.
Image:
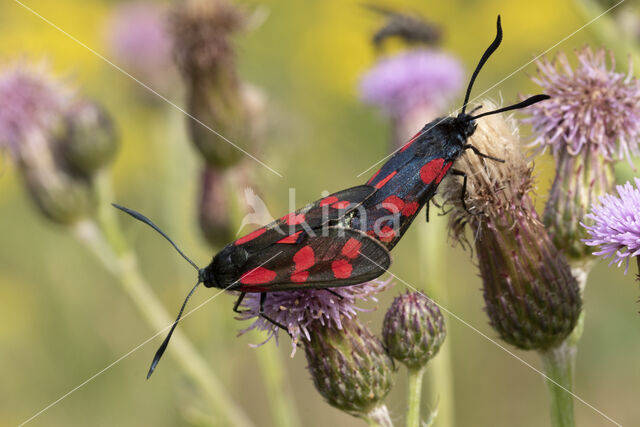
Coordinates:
62	319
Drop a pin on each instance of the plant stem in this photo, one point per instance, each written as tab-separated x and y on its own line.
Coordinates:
414	397
432	246
280	401
379	417
104	238
558	366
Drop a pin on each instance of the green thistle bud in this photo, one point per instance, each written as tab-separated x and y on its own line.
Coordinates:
531	297
214	215
202	31
349	367
90	141
413	330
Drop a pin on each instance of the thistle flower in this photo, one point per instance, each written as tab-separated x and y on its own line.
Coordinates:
31	101
615	225
531	297
300	310
413	330
90	140
139	40
412	87
591	121
32	109
203	49
349	367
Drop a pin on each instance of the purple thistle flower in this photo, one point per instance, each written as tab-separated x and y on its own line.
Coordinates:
591	108
616	225
403	82
31	100
139	39
298	310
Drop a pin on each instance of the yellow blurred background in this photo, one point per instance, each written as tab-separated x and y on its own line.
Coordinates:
62	319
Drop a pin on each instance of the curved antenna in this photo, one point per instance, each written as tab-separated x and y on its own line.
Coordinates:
529	101
142	218
165	343
492	48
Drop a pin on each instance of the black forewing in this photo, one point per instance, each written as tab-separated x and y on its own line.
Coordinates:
366	257
316	214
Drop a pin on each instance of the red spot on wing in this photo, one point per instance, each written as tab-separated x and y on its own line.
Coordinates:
443	172
291	239
385	180
393	204
373	177
293	219
258	276
341	205
328	200
430	171
341	269
411	141
304	258
386	234
410	208
351	249
250	236
300	277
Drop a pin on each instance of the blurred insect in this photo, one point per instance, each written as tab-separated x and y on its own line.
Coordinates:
411	28
345	238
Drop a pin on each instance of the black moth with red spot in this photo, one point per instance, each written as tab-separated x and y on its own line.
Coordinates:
345	238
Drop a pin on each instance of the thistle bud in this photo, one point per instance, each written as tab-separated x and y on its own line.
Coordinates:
591	121
202	31
413	330
90	141
531	297
349	367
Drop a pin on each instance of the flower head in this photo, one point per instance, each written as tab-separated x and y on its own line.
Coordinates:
616	225
592	107
402	82
31	100
139	39
300	310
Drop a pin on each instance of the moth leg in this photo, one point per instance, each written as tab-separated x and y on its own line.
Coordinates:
481	154
427	209
238	302
332	292
263	298
464	187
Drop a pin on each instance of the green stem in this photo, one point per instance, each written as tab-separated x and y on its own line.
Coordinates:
104	238
414	399
379	417
280	400
432	247
558	366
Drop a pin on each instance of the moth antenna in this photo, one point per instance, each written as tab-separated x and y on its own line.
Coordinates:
142	218
492	48
165	343
529	101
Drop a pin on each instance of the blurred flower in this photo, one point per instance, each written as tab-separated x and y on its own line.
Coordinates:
31	101
616	225
413	87
413	330
300	310
591	120
90	139
349	367
203	49
139	41
531	297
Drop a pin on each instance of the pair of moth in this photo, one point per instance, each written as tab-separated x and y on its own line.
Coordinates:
345	238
